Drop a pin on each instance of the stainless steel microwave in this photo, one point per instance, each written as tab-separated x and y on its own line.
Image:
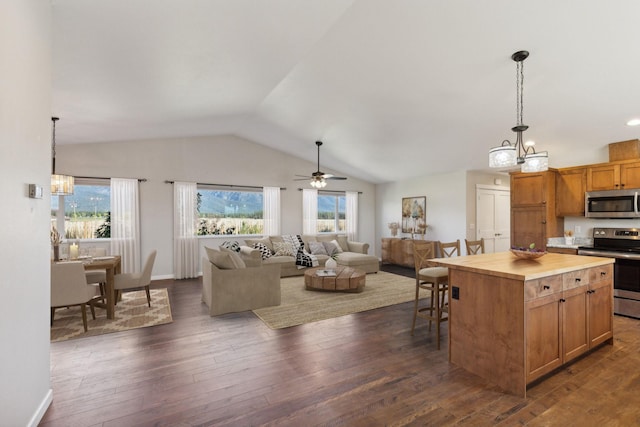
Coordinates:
612	204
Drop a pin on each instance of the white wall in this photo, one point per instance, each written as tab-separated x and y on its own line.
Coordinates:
25	143
451	204
217	160
446	205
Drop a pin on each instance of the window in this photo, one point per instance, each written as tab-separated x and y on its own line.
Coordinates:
331	213
86	213
229	212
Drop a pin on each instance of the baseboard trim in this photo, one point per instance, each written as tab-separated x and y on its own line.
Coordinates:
42	408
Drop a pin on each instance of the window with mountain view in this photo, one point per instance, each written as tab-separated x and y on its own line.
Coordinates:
86	213
331	213
222	212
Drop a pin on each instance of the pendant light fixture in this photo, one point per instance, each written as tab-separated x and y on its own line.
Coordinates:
61	185
508	154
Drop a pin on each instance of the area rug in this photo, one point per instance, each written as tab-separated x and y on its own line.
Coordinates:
131	312
299	306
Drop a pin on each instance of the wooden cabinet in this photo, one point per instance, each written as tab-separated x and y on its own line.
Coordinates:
568	251
571	184
567	315
398	251
533	209
613	176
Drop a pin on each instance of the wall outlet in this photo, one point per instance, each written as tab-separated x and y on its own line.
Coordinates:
455	292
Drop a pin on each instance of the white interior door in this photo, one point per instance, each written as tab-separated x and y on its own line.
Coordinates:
493	217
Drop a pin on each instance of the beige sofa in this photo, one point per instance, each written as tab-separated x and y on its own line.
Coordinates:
238	284
354	254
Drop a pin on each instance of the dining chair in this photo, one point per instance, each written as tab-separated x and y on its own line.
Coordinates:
69	287
98	276
435	281
141	279
449	249
474	247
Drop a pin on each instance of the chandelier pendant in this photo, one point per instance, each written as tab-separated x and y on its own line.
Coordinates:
521	153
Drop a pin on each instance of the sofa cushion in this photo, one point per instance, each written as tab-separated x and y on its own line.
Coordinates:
224	259
234	246
326	237
283	249
265	252
317	248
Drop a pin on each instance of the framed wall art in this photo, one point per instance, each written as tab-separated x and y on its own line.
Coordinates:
414	215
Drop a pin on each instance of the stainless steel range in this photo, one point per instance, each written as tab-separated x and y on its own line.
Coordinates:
623	244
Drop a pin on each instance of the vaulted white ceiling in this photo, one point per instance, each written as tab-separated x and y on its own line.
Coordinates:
394	88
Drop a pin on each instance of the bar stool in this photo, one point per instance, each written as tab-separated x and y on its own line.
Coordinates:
435	281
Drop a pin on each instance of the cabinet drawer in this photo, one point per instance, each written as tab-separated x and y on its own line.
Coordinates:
597	274
575	278
542	287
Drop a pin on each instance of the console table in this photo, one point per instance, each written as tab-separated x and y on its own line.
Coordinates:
398	251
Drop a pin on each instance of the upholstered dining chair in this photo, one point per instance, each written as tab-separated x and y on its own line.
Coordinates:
98	276
141	279
69	287
435	281
474	247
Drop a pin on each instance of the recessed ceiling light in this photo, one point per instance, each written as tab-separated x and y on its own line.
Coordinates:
633	122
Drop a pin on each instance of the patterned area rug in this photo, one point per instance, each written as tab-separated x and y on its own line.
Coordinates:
132	312
299	305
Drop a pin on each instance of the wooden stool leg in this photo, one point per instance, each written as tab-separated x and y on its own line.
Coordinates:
415	307
84	316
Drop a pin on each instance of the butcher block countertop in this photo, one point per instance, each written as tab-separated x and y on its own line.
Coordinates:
505	264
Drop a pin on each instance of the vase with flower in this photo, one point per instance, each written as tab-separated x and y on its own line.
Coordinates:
568	237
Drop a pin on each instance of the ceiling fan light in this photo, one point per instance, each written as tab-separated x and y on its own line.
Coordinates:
503	156
318	182
536	162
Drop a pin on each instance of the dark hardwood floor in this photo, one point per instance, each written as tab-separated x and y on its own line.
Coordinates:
358	370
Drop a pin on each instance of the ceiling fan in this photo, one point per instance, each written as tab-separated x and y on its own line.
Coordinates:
318	178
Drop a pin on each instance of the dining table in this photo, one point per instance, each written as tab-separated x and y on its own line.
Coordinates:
112	265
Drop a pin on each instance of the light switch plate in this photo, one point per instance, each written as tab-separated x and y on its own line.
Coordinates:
35	191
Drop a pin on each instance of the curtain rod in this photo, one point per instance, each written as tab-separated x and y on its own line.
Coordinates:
331	191
226	185
100	177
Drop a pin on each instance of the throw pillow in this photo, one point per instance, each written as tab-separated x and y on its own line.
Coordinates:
343	243
283	249
317	248
265	241
339	248
234	246
236	259
304	259
265	252
331	248
221	259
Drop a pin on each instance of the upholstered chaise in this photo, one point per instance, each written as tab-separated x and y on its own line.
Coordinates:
230	286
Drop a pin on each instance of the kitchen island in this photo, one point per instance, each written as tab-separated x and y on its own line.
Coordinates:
513	320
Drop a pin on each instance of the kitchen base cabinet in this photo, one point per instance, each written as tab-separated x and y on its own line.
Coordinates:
512	321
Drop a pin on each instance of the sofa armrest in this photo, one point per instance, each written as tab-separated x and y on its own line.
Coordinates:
251	257
358	247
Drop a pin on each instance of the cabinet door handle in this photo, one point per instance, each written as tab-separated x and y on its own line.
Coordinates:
562	300
544	221
544	202
603	273
546	287
577	279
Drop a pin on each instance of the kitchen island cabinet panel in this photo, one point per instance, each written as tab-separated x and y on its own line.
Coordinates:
512	321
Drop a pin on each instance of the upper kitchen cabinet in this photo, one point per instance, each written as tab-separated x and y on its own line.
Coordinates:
613	176
533	208
571	185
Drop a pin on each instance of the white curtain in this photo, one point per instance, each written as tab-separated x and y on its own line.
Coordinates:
271	209
125	223
185	221
351	215
309	211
